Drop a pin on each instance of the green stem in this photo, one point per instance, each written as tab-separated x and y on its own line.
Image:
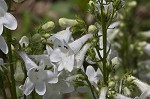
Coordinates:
9	39
91	88
104	30
13	84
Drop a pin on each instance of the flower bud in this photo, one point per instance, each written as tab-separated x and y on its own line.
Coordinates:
64	22
126	91
36	37
24	41
132	4
91	3
111	84
46	35
19	74
48	26
129	78
92	29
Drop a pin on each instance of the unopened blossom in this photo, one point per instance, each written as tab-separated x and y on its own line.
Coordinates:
24	41
7	20
48	26
64	22
37	76
93	76
103	93
64	53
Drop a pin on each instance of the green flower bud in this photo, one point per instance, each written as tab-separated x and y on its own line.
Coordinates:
116	77
46	35
126	91
142	44
111	84
64	22
91	3
129	79
132	4
48	26
92	29
36	37
19	74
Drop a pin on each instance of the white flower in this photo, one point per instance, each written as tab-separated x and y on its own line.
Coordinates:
141	85
37	76
24	41
6	19
103	93
3	45
93	76
9	21
63	53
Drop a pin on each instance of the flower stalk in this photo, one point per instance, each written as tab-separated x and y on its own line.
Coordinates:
104	32
9	39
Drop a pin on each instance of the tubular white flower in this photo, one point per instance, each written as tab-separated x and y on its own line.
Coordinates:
37	76
141	85
77	44
103	93
64	53
79	58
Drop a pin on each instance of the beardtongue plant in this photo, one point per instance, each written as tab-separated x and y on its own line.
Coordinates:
51	65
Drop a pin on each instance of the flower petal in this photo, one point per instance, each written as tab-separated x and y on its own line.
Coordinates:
51	77
3	45
1	28
10	21
55	55
69	63
28	87
40	88
120	96
3	5
90	72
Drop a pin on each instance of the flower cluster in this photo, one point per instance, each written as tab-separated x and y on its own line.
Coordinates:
94	62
